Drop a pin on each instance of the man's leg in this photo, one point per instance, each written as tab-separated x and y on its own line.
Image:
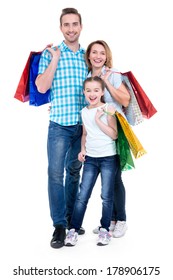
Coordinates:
57	146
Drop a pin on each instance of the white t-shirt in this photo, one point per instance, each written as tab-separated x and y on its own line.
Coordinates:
98	144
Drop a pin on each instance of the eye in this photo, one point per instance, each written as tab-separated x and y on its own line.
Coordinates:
87	90
76	23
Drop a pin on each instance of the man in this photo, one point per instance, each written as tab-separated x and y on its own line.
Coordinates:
63	70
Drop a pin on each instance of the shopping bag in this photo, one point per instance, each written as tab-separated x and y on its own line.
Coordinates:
132	111
22	91
122	146
146	106
123	150
35	97
26	89
134	143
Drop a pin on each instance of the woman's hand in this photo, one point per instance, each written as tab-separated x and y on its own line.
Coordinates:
106	75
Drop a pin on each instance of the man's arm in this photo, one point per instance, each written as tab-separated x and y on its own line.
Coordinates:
44	81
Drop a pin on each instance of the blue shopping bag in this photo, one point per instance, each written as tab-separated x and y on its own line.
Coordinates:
35	97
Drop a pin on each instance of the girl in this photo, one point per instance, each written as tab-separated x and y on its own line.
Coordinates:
98	152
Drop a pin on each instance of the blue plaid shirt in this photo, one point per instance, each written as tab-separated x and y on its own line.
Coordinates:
67	98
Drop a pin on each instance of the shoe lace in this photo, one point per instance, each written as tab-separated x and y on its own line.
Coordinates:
104	235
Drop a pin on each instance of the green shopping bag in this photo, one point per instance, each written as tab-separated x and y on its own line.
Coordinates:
123	150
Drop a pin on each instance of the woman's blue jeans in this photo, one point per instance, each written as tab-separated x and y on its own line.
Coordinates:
107	167
63	146
119	211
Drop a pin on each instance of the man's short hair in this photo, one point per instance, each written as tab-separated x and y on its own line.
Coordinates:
67	11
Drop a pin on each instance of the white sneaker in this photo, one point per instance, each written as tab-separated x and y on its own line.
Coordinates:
120	229
96	230
71	238
111	228
104	237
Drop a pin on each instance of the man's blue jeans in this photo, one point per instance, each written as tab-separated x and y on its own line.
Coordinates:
107	167
63	146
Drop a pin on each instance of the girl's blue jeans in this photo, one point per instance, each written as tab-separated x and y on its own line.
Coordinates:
107	168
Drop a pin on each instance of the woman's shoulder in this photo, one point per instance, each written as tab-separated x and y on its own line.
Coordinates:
115	71
115	77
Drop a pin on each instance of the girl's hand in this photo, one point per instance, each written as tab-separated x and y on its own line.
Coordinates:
99	113
81	156
111	109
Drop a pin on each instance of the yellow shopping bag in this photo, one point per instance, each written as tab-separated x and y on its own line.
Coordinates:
134	143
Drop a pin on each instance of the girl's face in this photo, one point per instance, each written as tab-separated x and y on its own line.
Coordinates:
97	56
93	93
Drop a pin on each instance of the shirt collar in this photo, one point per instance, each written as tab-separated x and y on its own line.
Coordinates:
64	47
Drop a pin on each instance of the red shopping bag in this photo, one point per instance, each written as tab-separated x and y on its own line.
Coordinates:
146	106
22	91
26	89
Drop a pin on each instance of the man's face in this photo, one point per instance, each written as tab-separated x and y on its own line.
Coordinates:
71	28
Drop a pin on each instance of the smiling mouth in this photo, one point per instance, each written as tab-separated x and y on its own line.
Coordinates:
93	98
71	34
98	61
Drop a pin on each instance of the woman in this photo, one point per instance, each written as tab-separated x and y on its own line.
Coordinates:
99	60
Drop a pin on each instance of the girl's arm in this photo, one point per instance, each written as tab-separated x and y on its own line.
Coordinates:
81	155
109	129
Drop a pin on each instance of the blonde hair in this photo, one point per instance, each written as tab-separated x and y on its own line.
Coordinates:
108	62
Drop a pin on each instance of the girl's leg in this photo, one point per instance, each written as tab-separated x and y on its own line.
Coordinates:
89	177
108	167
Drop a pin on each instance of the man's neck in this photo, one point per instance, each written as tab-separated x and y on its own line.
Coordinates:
73	46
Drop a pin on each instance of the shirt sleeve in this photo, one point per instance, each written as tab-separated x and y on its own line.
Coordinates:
44	61
116	78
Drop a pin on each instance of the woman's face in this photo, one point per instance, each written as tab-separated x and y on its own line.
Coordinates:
97	56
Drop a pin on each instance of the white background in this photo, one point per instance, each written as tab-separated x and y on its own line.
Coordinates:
139	34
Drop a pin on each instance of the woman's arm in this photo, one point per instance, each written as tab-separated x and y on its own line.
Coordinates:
121	95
